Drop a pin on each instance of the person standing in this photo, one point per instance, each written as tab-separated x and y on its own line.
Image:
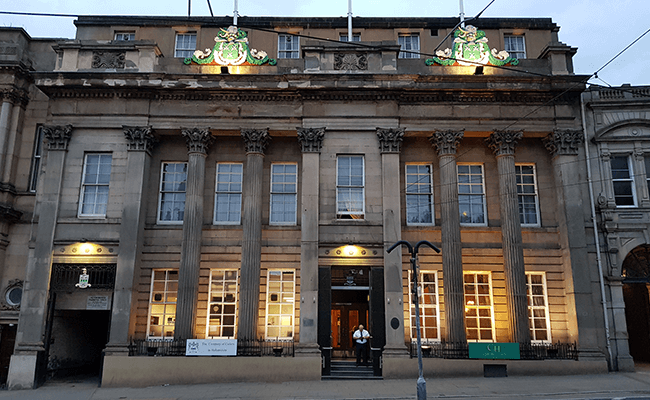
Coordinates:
361	337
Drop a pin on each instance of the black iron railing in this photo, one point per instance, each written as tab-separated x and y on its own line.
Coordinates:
535	351
245	348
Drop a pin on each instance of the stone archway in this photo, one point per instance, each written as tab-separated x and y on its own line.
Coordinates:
636	294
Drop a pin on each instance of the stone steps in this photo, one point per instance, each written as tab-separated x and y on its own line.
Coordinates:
347	370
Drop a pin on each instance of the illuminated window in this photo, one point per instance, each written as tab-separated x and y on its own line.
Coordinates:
222	304
284	192
172	192
185	45
429	316
623	181
410	46
515	46
228	196
356	37
36	159
538	318
419	195
288	46
280	298
527	194
94	186
479	322
350	187
124	36
162	304
471	194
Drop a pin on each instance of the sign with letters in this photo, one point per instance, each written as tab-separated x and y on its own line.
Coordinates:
97	303
211	347
494	351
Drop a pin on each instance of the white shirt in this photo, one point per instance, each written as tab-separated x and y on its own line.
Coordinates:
360	336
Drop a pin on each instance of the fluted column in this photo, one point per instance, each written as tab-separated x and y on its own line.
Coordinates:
311	141
255	141
6	114
20	100
446	143
503	144
198	142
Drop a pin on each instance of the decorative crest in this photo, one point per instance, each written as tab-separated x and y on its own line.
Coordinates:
231	48
447	141
311	139
390	140
563	142
255	140
471	48
139	138
503	142
198	140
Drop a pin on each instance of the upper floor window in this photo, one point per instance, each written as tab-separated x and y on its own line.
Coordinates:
172	192
515	46
162	303
527	194
124	36
94	186
646	161
623	181
538	318
419	195
228	196
471	194
429	315
410	45
280	298
284	194
479	318
288	46
185	45
350	182
356	37
36	159
222	304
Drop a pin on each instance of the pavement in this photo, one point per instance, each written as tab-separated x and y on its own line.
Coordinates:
616	385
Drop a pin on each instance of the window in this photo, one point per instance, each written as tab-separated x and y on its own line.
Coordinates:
419	195
343	37
515	46
623	181
94	187
428	300
185	45
280	297
228	197
471	194
538	318
222	304
172	192
478	306
646	161
288	46
350	187
124	36
410	46
527	194
283	194
162	304
36	159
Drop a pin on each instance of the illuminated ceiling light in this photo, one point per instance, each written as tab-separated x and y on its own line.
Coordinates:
350	250
86	248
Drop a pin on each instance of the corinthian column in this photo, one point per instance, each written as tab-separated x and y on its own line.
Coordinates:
198	142
446	143
502	143
255	142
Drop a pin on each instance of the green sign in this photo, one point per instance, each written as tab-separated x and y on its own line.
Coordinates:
494	351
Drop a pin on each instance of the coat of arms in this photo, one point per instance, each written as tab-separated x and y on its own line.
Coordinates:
231	48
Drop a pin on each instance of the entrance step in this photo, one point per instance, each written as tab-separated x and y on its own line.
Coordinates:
348	370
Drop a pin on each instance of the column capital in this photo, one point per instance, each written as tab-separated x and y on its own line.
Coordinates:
255	140
503	143
57	136
139	138
563	142
15	96
390	139
447	141
311	139
198	140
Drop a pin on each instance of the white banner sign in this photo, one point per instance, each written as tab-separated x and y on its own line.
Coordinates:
211	347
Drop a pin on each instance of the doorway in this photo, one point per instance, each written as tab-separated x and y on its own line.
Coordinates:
349	309
7	341
636	295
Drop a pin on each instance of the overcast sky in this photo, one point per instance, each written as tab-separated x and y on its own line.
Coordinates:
598	28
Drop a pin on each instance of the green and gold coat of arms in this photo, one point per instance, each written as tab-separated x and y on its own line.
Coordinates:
231	48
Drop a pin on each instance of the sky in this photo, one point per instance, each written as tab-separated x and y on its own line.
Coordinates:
600	29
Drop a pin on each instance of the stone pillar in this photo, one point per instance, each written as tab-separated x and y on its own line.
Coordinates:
6	114
140	141
311	141
446	143
31	322
255	142
390	142
20	100
503	144
198	142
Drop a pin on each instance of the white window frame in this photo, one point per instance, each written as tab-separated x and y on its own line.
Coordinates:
409	50
97	185
161	194
165	302
339	187
522	194
232	191
646	164
343	37
481	195
282	302
37	156
278	191
512	47
423	306
124	36
288	46
185	50
473	305
629	179
532	308
212	303
413	190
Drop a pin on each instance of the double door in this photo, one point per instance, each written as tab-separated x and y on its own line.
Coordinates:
349	309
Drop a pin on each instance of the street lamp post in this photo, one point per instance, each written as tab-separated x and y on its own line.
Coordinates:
413	250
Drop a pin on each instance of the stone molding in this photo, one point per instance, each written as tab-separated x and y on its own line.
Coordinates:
198	140
108	60
564	142
390	139
57	136
447	142
503	143
9	214
4	304
350	61
15	96
139	138
255	140
311	139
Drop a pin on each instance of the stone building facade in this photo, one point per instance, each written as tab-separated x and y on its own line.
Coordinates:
161	194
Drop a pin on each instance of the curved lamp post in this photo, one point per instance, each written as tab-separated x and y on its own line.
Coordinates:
413	250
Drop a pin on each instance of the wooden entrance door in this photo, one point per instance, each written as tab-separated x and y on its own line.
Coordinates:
349	309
